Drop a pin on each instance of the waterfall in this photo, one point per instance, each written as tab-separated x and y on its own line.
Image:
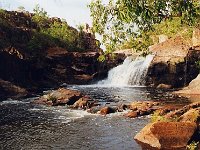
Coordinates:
131	72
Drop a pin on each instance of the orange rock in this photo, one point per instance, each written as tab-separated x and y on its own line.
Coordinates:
131	114
166	135
107	110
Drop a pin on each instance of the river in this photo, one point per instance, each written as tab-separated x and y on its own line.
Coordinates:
27	126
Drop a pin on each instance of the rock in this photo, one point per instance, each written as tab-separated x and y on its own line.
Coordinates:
94	110
181	111
61	96
168	63
196	37
190	116
82	103
142	105
192	89
144	112
122	107
107	110
138	105
131	114
166	135
163	38
9	89
164	86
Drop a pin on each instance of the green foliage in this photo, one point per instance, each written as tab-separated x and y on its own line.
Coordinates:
64	36
169	27
193	146
156	117
122	20
40	17
2	11
54	33
102	58
39	42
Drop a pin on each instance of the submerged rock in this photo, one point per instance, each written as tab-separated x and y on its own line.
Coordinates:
166	135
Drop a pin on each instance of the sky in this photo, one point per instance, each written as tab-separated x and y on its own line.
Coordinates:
75	12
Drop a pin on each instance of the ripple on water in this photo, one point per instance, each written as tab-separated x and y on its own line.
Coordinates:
24	125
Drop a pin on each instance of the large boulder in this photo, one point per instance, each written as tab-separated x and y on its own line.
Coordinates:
173	63
9	89
166	135
193	88
196	38
107	110
61	96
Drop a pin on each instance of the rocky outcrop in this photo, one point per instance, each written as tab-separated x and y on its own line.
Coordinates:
47	66
13	91
173	64
192	89
166	135
196	38
165	132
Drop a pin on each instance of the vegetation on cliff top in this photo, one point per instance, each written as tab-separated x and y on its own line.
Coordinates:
34	33
134	23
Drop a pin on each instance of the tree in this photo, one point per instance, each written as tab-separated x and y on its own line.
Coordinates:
40	16
121	20
21	8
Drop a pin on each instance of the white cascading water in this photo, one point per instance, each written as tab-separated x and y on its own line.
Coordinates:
131	72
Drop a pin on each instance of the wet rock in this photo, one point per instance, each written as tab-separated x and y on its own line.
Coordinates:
131	114
138	105
93	110
61	96
142	105
144	112
166	135
122	107
82	103
107	110
164	86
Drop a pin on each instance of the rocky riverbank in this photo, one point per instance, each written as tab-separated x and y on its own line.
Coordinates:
172	127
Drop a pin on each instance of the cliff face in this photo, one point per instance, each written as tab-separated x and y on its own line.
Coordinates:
174	63
44	66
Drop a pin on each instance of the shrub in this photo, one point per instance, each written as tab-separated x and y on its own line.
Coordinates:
156	117
40	17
